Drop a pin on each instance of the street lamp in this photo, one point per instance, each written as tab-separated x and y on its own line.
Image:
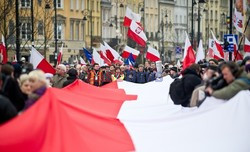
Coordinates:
55	32
17	32
199	21
87	12
141	7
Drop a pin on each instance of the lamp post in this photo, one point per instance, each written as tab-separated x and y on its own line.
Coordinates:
55	33
17	32
192	24
199	22
231	25
32	21
87	12
141	7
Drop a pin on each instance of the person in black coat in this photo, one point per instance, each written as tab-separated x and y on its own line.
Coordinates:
72	76
7	110
130	75
181	89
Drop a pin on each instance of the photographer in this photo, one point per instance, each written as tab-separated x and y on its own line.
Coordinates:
236	80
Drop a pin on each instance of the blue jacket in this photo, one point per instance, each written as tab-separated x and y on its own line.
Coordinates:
130	75
151	76
141	77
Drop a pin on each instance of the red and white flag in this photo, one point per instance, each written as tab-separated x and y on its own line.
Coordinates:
135	32
247	45
3	51
112	54
59	56
189	57
217	48
129	16
237	54
152	54
82	62
103	54
97	58
200	55
39	62
127	50
210	52
238	20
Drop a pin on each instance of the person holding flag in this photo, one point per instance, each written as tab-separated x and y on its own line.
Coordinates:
130	74
118	75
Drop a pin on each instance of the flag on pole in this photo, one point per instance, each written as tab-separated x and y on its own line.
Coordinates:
130	60
238	20
39	62
112	54
103	54
88	55
59	57
3	51
218	50
135	32
200	55
129	16
189	57
210	52
128	50
82	62
237	54
97	58
247	45
152	54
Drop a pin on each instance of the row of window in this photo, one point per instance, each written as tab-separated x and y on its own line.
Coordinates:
27	3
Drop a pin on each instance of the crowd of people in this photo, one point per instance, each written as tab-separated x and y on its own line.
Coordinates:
21	85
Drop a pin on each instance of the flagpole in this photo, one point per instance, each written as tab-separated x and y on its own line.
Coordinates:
242	38
231	25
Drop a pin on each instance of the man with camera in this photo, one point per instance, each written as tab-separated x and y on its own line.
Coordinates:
236	79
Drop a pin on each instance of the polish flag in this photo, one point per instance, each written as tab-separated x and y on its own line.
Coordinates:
97	58
247	45
200	55
238	20
103	119
210	52
237	54
135	32
127	50
3	51
103	54
218	50
152	54
39	62
129	16
59	57
189	57
82	62
112	55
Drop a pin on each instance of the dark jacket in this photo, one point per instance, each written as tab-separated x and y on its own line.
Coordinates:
141	77
130	75
151	76
12	91
181	89
70	79
84	76
7	110
57	80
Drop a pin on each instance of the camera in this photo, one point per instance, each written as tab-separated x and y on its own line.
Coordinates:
216	83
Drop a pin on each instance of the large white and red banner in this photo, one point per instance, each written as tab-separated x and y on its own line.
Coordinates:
131	16
136	33
39	62
97	120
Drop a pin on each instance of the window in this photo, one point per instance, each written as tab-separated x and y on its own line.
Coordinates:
97	28
59	31
26	30
185	19
59	3
216	17
77	30
39	2
92	5
72	4
40	27
176	18
72	30
77	4
25	3
82	31
82	4
180	19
